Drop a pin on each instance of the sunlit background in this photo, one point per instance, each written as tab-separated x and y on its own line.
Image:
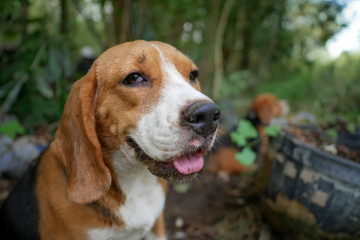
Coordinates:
348	39
306	52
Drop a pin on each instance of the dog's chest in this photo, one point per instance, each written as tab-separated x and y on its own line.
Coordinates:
144	201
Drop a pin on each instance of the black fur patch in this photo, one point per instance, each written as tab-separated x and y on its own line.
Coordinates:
19	213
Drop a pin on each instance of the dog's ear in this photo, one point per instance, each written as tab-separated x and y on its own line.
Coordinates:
88	176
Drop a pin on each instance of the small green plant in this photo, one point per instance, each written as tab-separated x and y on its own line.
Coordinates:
246	136
332	133
12	128
272	130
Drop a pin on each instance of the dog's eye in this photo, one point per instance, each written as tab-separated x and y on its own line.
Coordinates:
193	76
133	78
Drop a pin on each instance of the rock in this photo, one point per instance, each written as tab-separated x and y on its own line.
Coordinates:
5	144
15	157
179	222
180	235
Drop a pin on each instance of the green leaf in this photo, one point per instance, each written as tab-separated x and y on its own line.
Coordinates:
243	133
237	138
246	157
272	130
182	187
246	129
54	68
11	128
332	133
44	87
351	128
6	88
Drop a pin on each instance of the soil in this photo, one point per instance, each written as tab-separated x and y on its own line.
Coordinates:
208	208
214	209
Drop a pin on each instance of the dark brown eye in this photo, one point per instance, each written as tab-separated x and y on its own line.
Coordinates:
193	76
133	78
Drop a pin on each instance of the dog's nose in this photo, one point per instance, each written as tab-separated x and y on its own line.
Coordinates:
202	117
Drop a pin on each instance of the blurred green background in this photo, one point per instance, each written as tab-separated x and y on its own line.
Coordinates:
242	47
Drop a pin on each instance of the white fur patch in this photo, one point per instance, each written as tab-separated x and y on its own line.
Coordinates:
158	133
144	200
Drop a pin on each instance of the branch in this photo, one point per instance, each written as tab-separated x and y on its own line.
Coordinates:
14	92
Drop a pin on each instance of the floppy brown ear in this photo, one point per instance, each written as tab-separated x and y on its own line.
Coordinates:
88	177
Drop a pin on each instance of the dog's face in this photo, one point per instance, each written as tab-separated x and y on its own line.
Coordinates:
147	93
140	103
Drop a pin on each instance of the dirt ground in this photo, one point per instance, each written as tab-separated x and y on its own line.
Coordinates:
208	208
211	208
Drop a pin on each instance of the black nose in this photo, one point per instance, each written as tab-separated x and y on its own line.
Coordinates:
202	117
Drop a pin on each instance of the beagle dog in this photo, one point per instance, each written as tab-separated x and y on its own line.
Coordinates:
264	108
134	121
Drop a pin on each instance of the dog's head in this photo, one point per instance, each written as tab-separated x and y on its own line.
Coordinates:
139	103
265	107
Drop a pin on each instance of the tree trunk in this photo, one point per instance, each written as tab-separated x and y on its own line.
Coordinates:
246	36
218	54
139	34
63	17
125	24
121	18
206	66
117	6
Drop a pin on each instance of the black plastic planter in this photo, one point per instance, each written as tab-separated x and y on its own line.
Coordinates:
311	194
351	141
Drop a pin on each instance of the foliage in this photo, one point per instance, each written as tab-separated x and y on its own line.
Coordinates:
272	130
11	128
246	136
328	89
237	82
38	64
244	132
265	46
182	187
246	157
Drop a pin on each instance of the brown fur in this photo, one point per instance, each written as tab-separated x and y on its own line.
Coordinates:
223	160
267	107
77	186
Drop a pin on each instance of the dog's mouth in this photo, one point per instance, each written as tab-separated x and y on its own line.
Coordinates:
177	168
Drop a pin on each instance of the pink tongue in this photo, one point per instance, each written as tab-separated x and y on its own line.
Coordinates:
189	164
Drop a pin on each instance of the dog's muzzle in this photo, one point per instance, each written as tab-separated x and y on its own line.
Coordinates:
201	120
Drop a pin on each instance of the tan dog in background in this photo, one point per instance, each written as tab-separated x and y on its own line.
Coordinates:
264	108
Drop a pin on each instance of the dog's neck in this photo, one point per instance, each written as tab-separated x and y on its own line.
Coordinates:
132	175
126	164
135	182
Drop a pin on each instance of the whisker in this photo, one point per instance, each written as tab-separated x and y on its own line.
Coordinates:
218	140
196	178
